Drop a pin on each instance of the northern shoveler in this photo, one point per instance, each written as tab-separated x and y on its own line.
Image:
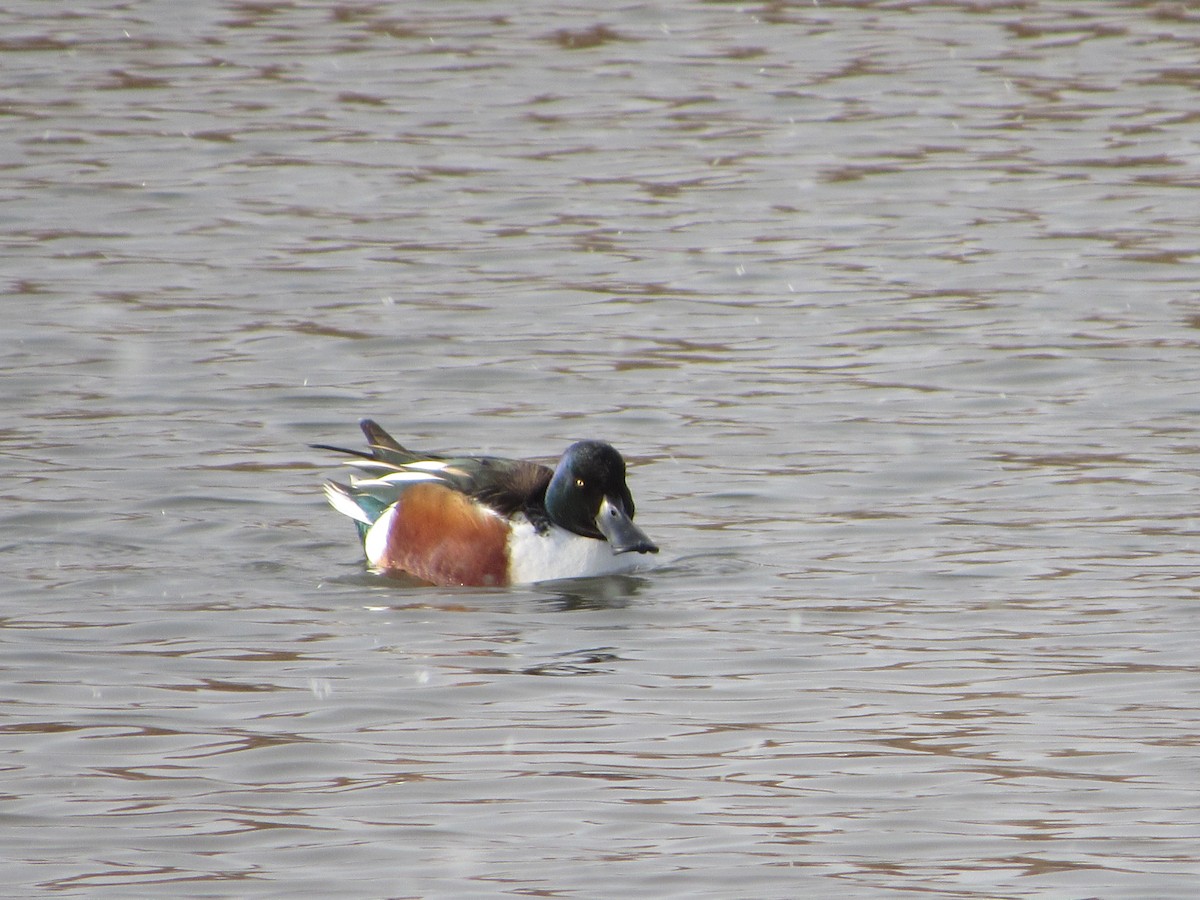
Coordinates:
483	520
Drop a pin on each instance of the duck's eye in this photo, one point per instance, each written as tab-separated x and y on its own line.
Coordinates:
579	483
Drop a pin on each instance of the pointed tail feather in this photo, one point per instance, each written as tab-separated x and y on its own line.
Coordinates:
385	449
359	453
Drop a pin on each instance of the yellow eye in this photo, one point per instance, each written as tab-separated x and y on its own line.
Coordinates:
579	483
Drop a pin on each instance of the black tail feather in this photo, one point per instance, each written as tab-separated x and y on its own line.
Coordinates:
383	447
346	450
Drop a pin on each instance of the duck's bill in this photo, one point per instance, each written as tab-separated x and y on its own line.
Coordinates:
620	532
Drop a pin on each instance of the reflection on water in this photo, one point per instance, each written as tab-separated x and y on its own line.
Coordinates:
889	308
612	592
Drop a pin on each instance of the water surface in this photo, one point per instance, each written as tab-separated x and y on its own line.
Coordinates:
891	307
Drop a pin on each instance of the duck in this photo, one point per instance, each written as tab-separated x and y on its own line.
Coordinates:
489	521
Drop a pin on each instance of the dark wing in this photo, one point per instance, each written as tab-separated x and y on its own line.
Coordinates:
506	485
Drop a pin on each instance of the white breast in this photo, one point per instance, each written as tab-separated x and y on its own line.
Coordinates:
557	553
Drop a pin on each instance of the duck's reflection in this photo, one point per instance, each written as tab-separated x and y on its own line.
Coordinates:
608	592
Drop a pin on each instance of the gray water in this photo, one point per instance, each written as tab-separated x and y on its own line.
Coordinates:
892	308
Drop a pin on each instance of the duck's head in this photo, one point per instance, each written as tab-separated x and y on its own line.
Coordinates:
588	496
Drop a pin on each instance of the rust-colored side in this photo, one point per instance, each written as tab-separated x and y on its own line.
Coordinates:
444	537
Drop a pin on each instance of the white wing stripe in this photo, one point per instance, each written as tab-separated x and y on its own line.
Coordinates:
392	480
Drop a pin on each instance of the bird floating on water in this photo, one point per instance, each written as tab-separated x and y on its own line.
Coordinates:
485	520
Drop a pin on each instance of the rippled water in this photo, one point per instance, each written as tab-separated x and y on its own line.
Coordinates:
891	306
